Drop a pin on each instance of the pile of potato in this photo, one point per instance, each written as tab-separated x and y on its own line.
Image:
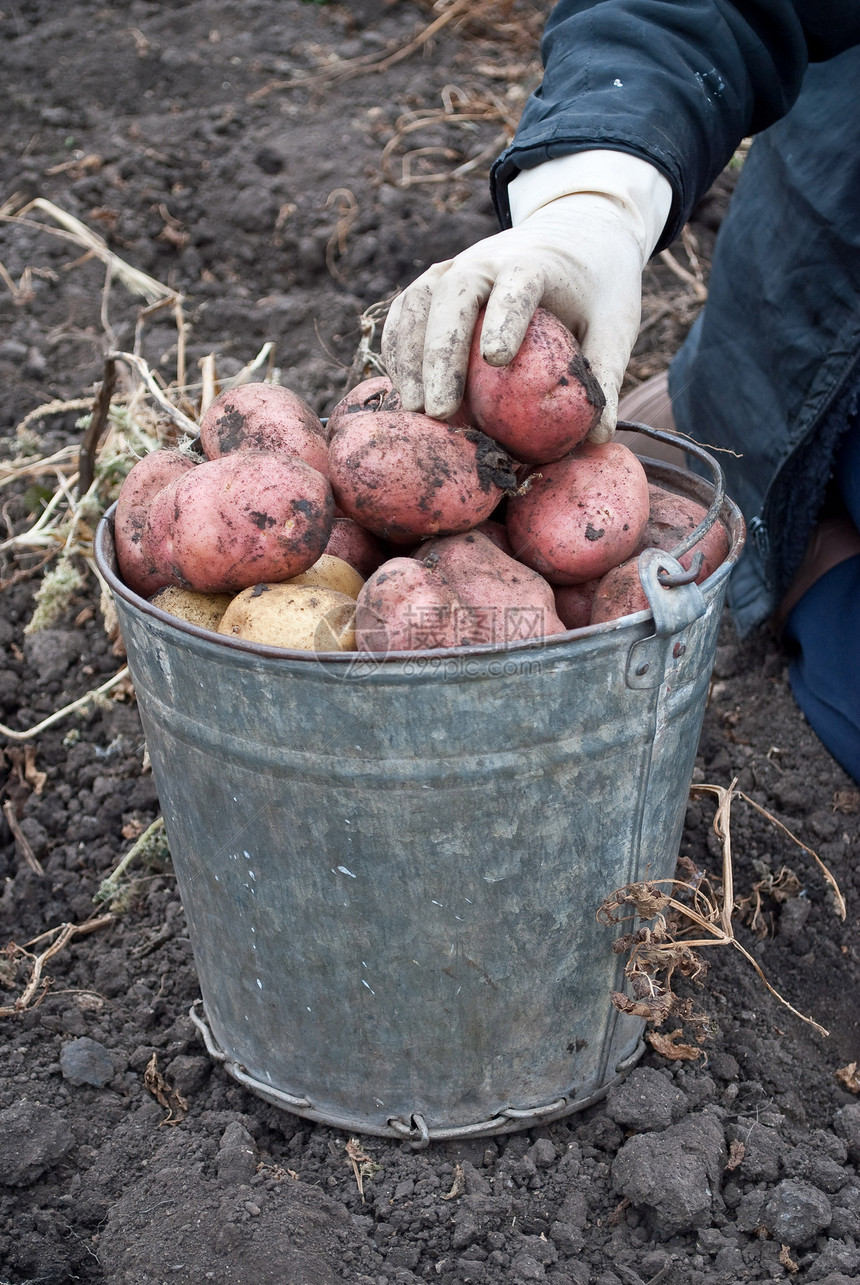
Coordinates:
389	531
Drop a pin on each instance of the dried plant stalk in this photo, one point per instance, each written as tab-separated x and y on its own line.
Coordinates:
681	928
38	984
72	229
841	908
12	734
348	68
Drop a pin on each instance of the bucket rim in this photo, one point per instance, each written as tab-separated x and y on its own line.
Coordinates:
721	508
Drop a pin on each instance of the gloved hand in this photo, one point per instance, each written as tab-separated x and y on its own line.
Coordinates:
584	227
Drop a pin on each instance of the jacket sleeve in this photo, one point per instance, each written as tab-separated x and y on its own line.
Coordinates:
677	82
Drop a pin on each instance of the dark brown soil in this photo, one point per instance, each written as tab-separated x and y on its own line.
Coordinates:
281	216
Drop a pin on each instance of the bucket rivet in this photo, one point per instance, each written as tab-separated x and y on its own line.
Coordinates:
642	670
679	650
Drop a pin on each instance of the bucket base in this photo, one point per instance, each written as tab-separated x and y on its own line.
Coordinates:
414	1130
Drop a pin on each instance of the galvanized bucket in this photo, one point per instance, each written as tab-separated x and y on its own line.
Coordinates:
391	868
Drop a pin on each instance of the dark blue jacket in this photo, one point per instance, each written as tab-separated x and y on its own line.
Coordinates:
677	82
771	371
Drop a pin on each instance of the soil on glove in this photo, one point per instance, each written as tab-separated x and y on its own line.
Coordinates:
256	158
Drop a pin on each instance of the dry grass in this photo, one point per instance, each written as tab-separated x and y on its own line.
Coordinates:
12	957
132	412
686	916
508	24
461	112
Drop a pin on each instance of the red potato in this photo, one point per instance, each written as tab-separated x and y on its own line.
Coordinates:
360	548
368	395
581	515
505	600
264	417
573	602
247	518
671	519
405	476
143	482
619	593
542	404
497	532
407	606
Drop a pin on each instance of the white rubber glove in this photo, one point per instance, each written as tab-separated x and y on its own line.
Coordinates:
584	227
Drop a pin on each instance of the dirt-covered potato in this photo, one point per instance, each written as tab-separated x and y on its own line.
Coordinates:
368	395
581	515
408	606
573	603
203	609
298	617
264	417
671	518
619	593
142	483
544	402
360	548
497	532
406	476
505	601
240	520
329	572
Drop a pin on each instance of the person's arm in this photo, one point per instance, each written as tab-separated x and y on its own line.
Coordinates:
678	83
642	103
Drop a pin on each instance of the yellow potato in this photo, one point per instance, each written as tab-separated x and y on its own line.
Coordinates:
301	617
329	572
203	609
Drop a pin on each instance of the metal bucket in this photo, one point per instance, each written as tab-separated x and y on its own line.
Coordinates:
391	868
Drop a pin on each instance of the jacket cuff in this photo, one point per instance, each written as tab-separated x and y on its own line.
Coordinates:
639	187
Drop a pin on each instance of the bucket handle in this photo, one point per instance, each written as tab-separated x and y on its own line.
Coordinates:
674	607
675	600
717	477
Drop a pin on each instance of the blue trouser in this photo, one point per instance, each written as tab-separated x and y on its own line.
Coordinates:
824	627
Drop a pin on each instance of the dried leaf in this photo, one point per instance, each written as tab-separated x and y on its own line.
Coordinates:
458	1186
850	1077
846	801
737	1151
690	872
618	1212
32	775
646	900
668	1044
362	1165
655	1009
787	1261
171	1099
354	1150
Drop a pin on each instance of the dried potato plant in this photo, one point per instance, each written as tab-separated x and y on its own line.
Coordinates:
684	917
445	144
13	958
510	24
133	411
462	112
